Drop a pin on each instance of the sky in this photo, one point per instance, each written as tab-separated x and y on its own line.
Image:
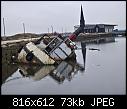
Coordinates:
41	16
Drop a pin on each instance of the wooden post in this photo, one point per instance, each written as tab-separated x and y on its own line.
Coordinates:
52	29
48	30
4	27
83	45
62	30
24	28
65	30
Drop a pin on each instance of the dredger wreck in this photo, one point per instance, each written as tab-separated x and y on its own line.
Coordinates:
50	51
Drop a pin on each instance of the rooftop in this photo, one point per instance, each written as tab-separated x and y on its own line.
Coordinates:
93	25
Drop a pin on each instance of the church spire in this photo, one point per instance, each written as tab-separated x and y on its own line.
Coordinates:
82	21
80	29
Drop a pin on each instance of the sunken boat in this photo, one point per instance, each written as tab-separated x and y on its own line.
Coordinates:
48	50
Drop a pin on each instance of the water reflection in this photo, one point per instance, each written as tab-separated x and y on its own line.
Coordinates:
35	72
66	70
8	70
101	73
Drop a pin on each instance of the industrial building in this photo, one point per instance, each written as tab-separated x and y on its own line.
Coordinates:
97	28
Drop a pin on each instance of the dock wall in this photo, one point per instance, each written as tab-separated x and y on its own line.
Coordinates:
96	38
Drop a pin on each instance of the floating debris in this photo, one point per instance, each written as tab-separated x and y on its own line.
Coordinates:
94	49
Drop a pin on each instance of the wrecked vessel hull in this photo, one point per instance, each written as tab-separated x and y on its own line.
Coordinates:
51	52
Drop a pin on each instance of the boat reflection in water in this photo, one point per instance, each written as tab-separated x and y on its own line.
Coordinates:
35	72
59	72
65	70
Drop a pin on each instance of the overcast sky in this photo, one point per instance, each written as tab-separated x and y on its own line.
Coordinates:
38	16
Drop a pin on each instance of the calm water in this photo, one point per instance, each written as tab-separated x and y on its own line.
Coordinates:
104	73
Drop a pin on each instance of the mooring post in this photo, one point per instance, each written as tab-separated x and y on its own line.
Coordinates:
52	29
83	45
4	27
62	30
48	30
24	28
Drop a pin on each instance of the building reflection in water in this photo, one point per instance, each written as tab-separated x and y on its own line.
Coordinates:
65	70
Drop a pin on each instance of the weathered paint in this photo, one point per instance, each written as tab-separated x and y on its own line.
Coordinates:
22	56
42	56
44	71
41	45
62	71
37	74
63	54
57	49
63	68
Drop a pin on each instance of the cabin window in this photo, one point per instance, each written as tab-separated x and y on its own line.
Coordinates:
52	45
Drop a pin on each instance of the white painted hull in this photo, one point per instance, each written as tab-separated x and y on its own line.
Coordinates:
40	55
56	50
